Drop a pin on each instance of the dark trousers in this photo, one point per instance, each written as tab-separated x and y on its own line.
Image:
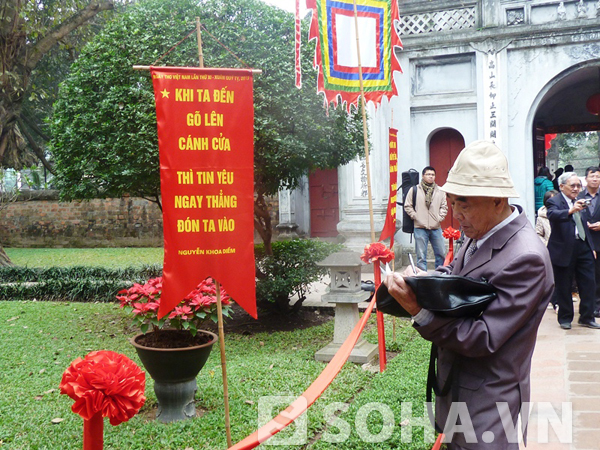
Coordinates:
581	267
597	272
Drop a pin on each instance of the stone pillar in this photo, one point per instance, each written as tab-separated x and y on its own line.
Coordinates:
287	225
345	292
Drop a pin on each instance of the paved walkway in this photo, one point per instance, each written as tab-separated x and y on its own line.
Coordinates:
565	376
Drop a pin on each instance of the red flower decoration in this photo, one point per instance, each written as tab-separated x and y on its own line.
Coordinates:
377	252
105	382
451	233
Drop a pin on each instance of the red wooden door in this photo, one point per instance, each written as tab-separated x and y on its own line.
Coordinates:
324	203
444	147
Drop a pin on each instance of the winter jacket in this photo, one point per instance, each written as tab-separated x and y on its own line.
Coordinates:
541	186
542	225
431	218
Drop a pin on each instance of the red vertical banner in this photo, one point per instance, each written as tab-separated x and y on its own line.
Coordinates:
389	228
206	144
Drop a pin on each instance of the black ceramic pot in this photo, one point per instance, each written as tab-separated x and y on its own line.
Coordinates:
174	372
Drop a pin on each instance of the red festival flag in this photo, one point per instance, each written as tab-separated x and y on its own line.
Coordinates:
389	229
205	136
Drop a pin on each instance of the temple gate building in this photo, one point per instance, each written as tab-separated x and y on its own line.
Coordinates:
508	71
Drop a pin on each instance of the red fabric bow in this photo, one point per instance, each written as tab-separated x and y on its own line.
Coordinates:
451	233
377	252
105	382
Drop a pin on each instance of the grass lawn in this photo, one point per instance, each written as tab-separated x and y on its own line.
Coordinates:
65	257
41	339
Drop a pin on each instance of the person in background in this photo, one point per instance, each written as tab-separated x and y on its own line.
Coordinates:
489	355
591	215
557	173
572	253
542	224
542	184
428	212
543	229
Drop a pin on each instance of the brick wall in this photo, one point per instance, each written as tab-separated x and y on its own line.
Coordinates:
40	220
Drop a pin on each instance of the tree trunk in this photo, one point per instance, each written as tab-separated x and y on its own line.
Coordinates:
262	222
4	259
19	55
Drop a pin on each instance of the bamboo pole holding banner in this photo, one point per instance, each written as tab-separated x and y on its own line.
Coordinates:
376	265
219	301
223	364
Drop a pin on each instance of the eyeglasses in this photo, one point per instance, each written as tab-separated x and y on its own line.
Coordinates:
574	186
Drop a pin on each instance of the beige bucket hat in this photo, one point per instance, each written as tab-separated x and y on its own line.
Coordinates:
481	170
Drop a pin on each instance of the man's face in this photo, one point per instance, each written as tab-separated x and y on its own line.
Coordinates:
476	215
571	188
592	180
429	177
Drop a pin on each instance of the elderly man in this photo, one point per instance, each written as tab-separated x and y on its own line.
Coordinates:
572	253
490	356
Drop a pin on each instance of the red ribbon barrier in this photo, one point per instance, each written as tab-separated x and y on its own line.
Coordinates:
310	395
373	253
438	442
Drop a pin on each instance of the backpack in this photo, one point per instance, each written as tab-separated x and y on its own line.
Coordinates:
410	179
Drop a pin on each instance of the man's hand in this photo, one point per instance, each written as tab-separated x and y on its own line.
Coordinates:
403	294
594	226
579	205
408	272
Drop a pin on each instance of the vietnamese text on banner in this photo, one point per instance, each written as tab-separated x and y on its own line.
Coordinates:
206	142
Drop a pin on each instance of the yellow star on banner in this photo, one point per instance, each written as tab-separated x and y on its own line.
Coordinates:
165	93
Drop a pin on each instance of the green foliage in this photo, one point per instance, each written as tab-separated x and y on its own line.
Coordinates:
19	274
290	269
84	284
104	126
578	149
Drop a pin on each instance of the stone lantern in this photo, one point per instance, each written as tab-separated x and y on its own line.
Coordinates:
345	292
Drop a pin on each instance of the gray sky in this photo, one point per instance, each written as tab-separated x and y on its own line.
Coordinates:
288	5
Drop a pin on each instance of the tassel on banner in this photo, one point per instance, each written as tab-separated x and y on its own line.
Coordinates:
298	46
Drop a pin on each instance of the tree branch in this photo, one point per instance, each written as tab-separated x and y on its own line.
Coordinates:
37	51
36	148
31	124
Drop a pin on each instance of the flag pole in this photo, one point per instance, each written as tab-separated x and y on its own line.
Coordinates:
223	364
219	301
365	131
376	266
393	260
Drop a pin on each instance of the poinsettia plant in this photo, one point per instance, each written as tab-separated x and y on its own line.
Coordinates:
196	308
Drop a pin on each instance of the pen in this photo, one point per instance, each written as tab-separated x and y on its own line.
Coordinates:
412	263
